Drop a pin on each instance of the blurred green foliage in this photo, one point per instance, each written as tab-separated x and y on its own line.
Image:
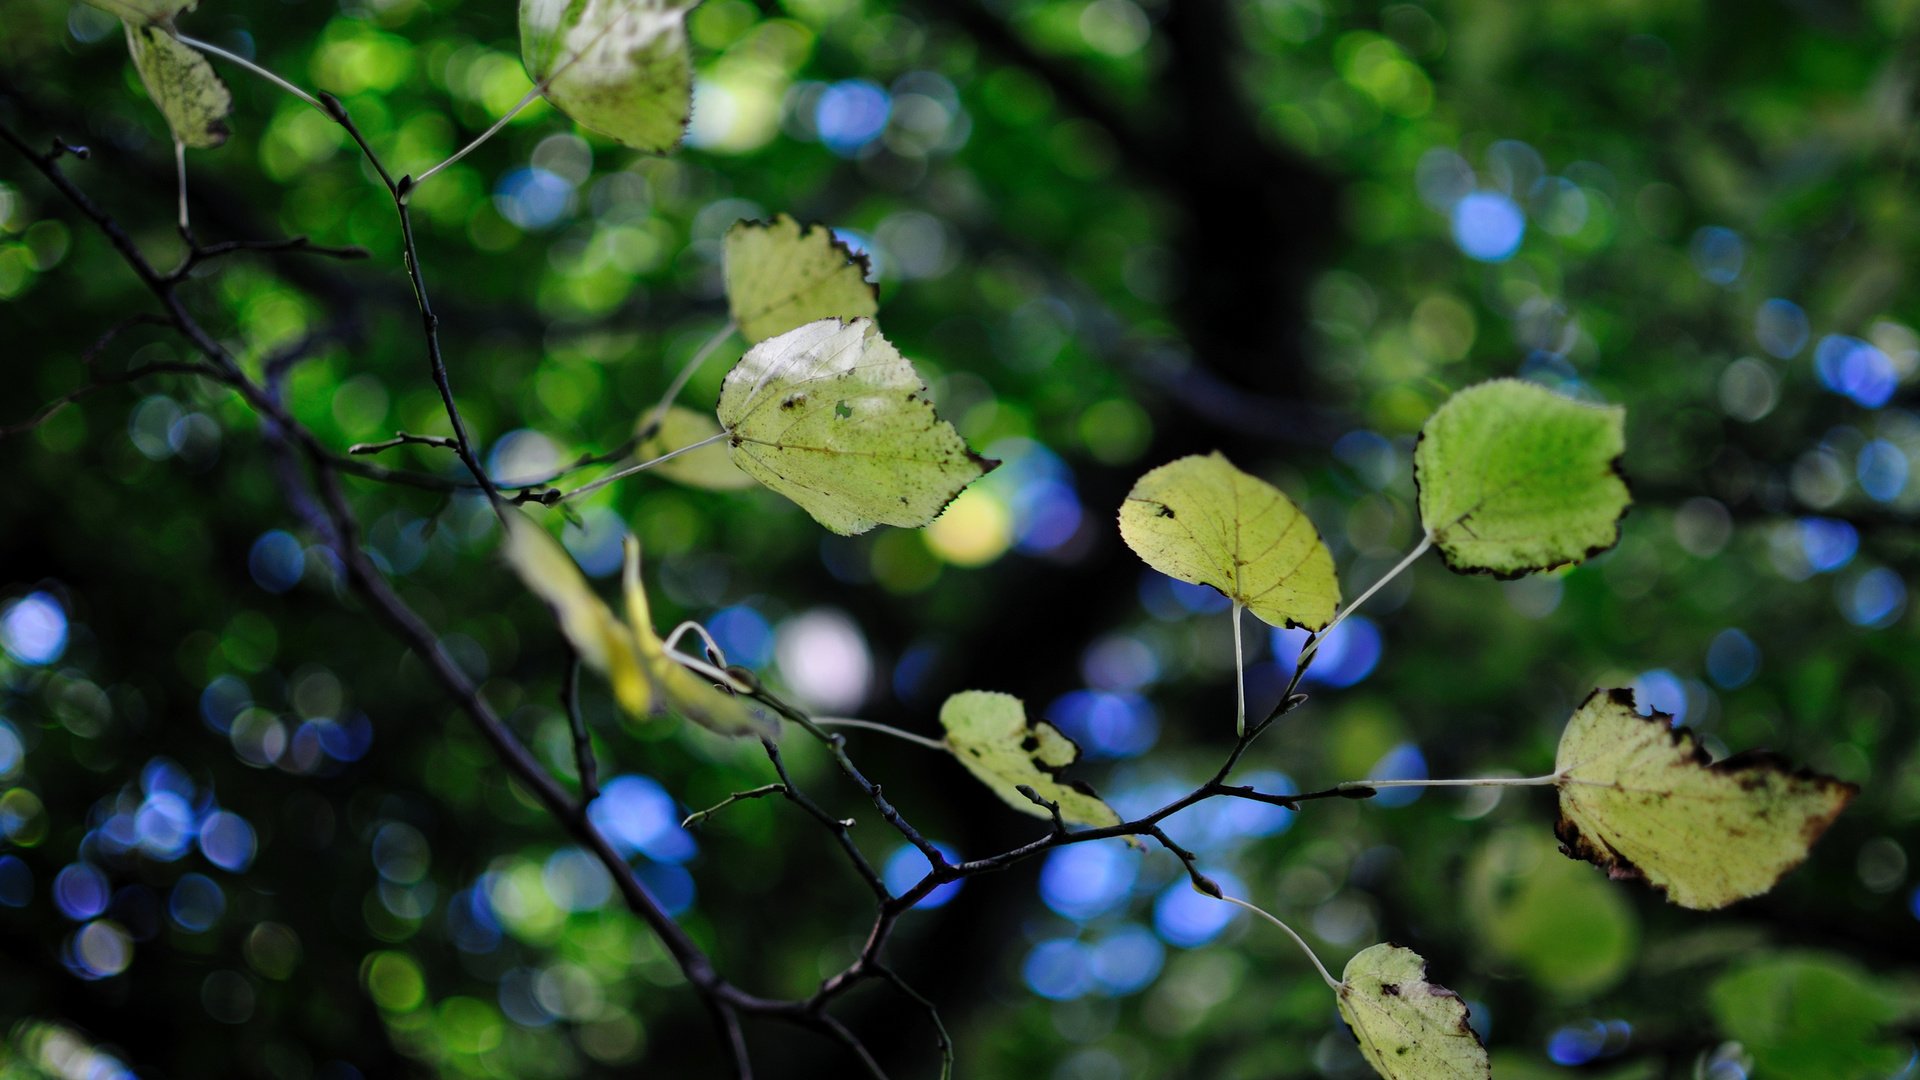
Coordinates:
1109	233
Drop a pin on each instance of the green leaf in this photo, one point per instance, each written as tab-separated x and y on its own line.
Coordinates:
1810	1016
1201	520
781	275
145	12
646	680
618	67
1640	798
993	738
708	467
182	84
1556	920
1408	1028
833	417
1514	479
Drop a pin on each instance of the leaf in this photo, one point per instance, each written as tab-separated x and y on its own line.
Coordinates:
182	84
1408	1028
708	467
645	678
145	12
833	417
1201	520
1639	799
781	275
1515	479
596	635
618	67
993	738
1810	1016
685	692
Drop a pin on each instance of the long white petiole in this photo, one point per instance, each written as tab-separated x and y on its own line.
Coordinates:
1485	781
1332	983
1239	674
180	169
1426	541
679	382
887	729
642	467
685	628
215	50
533	95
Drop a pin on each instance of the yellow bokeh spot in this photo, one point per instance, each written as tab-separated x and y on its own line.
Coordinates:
974	531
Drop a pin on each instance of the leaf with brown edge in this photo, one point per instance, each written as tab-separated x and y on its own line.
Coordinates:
1514	479
833	417
1407	1027
781	274
1641	799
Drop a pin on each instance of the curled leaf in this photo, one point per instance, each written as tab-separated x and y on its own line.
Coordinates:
1201	520
588	624
781	275
182	84
993	738
708	467
833	417
618	67
1407	1027
1640	798
1515	478
646	679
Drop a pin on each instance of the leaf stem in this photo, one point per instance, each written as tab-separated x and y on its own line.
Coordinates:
888	729
180	171
532	96
643	466
1426	541
1332	983
215	50
680	381
1483	781
1239	676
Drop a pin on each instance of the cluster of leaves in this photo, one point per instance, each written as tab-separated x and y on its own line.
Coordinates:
1478	503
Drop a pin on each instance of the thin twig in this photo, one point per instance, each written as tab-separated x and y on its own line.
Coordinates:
584	762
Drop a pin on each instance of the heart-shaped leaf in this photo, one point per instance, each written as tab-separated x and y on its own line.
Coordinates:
1201	520
618	67
781	275
993	738
833	417
1640	798
1515	478
1408	1028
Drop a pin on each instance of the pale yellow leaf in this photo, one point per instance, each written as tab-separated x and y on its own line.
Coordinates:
618	67
708	467
833	417
1408	1028
781	275
182	84
1641	799
1201	520
992	737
